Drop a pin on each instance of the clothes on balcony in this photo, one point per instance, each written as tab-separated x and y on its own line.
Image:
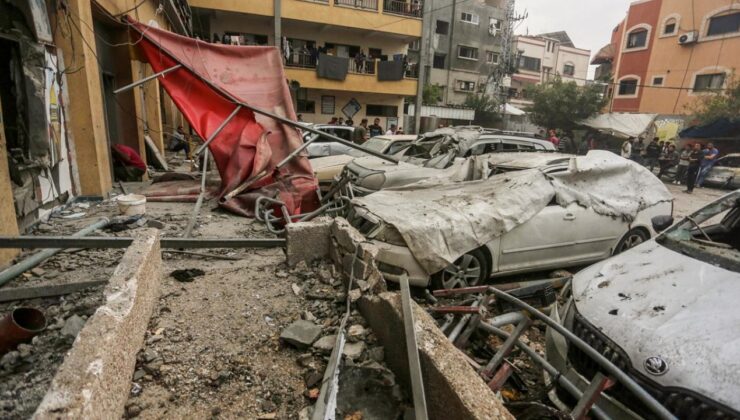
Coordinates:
332	67
390	70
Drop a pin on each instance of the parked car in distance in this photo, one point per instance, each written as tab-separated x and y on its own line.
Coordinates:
324	146
664	312
460	234
326	168
725	173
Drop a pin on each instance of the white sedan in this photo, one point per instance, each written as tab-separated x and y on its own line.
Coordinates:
458	234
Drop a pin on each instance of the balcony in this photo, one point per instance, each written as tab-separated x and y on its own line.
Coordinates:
306	61
412	8
358	4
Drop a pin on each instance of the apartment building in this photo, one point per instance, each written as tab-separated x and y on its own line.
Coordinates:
464	41
59	66
542	57
667	53
343	58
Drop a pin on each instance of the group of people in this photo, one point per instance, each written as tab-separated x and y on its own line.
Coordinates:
363	132
692	164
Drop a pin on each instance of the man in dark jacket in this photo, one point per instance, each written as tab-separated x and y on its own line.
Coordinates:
694	164
652	154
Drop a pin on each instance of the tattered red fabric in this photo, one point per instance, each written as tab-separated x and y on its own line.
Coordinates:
250	143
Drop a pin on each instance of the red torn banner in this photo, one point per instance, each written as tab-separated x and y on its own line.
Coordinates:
212	78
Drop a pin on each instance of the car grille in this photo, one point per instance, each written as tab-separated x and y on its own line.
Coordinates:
362	224
682	403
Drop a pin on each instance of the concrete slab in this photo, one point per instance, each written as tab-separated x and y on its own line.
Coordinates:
308	241
453	388
94	380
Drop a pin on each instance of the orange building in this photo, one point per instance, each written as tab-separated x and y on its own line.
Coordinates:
667	53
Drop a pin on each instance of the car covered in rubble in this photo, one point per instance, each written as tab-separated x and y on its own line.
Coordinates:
439	149
322	146
725	173
571	211
665	313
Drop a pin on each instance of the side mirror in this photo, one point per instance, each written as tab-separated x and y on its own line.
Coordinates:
661	223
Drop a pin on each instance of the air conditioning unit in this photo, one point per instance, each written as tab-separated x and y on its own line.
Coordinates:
688	38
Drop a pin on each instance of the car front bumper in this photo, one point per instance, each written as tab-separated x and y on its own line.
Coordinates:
394	261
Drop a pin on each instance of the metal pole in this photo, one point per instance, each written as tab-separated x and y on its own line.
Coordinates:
609	367
218	130
146	79
423	63
196	209
412	350
36	259
100	242
260	111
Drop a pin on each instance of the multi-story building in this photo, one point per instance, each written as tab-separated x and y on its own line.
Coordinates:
59	67
542	57
667	53
366	42
464	39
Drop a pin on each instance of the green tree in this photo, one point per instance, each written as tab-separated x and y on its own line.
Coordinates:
719	104
486	108
432	94
560	105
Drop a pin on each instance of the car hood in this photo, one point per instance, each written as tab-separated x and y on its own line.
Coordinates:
326	162
396	175
671	306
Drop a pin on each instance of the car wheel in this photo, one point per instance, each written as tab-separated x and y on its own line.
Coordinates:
468	270
633	238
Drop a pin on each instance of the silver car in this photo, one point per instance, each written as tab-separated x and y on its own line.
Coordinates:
665	313
323	146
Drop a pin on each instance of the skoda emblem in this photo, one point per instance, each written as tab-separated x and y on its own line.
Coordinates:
656	365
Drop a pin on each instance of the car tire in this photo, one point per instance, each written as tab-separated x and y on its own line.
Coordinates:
630	240
469	270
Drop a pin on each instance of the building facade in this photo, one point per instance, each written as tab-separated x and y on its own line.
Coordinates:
59	67
362	39
543	57
667	53
464	41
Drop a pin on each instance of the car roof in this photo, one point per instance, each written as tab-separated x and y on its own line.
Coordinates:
526	160
397	137
510	137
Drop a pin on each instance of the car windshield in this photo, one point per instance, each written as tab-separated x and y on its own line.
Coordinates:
377	144
712	234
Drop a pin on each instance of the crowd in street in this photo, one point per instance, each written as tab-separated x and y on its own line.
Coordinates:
692	163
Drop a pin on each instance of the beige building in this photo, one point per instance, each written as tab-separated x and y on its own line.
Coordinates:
380	30
545	56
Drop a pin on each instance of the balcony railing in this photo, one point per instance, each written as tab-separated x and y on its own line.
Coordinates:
400	7
304	60
362	66
358	4
366	66
412	71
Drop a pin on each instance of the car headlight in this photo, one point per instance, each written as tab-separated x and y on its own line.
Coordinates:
390	235
373	181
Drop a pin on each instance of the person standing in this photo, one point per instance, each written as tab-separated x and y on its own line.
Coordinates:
553	138
375	129
637	151
626	151
340	121
349	122
693	170
180	142
683	165
652	154
300	117
391	131
710	155
360	134
667	160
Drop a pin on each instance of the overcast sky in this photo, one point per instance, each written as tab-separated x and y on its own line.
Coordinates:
589	23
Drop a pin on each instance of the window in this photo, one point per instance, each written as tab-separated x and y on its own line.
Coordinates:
658	81
569	69
529	63
327	105
381	110
491	57
439	61
705	82
628	87
670	27
414	46
637	38
468	53
494	26
724	24
442	27
465	86
304	104
469	18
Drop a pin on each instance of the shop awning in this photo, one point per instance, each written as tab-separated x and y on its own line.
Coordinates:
621	124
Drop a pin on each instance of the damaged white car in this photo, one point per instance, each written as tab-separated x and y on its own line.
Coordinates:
664	313
457	234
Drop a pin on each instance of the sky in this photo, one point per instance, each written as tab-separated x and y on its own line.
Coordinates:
588	22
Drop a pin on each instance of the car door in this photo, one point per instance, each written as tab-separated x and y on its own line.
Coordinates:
725	171
558	237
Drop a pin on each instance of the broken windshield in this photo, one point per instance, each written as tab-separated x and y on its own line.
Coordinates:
711	234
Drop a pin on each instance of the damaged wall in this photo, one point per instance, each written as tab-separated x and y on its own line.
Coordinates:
8	225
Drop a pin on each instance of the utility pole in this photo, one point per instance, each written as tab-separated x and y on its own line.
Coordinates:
424	68
499	80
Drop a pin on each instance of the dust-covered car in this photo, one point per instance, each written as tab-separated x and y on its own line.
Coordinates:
434	151
665	313
725	173
328	167
455	234
322	146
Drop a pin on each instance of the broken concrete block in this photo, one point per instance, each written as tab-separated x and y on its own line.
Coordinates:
325	344
356	332
354	350
346	236
73	325
354	267
301	334
308	241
